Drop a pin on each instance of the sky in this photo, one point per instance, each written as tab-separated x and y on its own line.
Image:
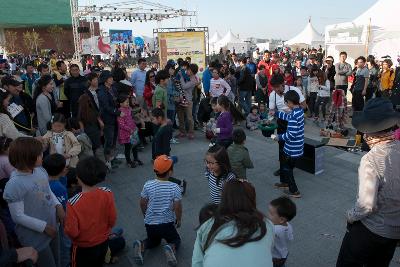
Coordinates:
266	19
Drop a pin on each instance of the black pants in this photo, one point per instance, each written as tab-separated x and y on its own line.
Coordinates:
224	142
321	101
312	99
362	248
282	127
358	101
157	232
286	172
128	148
91	256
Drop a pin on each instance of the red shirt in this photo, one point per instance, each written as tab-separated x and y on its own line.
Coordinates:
90	217
267	70
148	95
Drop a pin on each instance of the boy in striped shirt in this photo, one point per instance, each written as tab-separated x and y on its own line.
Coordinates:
162	209
294	142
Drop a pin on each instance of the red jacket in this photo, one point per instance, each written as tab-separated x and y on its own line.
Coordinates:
148	94
267	70
90	217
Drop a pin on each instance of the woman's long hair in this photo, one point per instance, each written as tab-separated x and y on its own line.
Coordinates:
221	156
147	81
87	112
224	101
43	81
238	204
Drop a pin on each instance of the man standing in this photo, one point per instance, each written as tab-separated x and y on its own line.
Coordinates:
343	71
206	79
138	79
330	72
312	63
373	225
29	78
59	77
360	84
296	70
74	87
267	63
246	83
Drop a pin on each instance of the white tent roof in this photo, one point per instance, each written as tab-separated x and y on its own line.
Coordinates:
228	39
308	36
215	38
382	14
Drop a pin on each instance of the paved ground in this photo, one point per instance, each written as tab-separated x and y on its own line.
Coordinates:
318	227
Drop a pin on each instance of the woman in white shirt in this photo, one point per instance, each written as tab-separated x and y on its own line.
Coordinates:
218	86
324	93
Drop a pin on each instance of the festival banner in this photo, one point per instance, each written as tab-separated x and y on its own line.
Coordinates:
121	36
174	45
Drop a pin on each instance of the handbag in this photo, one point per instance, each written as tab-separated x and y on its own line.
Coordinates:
134	138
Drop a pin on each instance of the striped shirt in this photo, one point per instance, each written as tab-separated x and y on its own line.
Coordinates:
294	136
216	189
161	196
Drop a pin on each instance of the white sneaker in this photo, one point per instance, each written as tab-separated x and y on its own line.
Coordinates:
174	141
108	165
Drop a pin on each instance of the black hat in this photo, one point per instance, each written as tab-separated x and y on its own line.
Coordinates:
378	115
8	80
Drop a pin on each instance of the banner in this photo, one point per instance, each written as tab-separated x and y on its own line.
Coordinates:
121	36
174	45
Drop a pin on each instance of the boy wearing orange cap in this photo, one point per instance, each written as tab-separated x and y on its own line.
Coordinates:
162	209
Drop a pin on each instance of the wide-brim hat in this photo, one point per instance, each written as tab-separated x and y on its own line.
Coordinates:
377	115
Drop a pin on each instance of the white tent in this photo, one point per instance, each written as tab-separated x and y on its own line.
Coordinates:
231	42
215	38
376	32
308	37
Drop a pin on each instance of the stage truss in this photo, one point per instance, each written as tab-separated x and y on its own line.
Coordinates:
138	11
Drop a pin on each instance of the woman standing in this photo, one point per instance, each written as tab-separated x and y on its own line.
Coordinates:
149	87
7	127
237	234
45	103
373	84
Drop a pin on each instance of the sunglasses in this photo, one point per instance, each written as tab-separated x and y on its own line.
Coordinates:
152	76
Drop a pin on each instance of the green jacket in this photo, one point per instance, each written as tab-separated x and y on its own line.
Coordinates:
240	160
160	94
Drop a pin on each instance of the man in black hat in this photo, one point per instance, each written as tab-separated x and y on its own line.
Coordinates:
373	225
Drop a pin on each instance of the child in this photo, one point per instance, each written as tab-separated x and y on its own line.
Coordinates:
224	128
207	212
218	171
288	77
128	132
162	209
281	211
253	119
5	167
262	110
261	94
91	215
83	138
294	142
55	166
337	112
33	206
324	93
63	142
160	97
239	155
298	82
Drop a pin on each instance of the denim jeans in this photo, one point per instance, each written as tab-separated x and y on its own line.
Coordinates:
171	114
65	248
286	173
110	138
245	101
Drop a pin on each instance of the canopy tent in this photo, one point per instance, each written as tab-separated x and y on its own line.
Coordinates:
215	38
376	32
308	37
231	42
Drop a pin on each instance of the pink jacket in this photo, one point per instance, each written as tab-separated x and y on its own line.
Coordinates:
126	125
397	134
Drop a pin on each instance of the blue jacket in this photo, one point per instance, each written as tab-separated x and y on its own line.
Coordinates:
206	80
108	107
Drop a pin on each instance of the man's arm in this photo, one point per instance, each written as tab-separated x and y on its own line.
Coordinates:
143	205
178	211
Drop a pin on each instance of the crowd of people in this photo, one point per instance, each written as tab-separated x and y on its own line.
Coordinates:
60	126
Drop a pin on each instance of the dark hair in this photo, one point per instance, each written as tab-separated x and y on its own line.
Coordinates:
158	112
162	75
118	74
361	58
91	171
244	60
285	207
223	101
72	124
3	95
29	64
343	53
42	82
73	66
58	117
321	77
194	68
253	107
59	64
262	67
122	98
91	76
238	204
388	61
214	101
87	112
141	60
147	81
238	136
371	59
207	211
293	97
4	144
267	52
277	79
24	152
54	164
303	68
188	58
42	66
222	158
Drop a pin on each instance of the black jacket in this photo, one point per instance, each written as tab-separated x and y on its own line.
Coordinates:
108	107
74	87
246	82
29	108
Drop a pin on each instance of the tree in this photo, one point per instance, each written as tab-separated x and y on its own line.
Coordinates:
10	42
57	34
32	41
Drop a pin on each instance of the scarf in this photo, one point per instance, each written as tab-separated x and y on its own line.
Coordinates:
377	139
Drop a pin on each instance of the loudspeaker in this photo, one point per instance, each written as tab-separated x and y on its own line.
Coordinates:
83	29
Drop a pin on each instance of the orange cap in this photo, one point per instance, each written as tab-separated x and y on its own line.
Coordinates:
162	164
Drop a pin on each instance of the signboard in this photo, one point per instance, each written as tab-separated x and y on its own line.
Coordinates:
345	34
174	45
121	36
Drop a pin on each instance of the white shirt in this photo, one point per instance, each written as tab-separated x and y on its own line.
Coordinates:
219	87
325	90
282	237
280	100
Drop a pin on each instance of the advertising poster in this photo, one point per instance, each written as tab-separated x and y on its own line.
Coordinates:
174	45
121	36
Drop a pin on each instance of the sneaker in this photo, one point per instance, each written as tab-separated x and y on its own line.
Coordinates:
281	185
133	164
174	141
170	255
139	162
138	253
183	187
277	173
294	195
108	165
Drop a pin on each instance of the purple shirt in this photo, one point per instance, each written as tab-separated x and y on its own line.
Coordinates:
224	123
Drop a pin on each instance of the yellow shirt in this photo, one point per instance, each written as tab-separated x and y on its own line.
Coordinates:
387	79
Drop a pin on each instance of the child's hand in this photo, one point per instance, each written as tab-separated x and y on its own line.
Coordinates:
50	231
177	224
274	137
27	253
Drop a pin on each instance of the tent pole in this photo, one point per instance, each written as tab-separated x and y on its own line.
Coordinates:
368	37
